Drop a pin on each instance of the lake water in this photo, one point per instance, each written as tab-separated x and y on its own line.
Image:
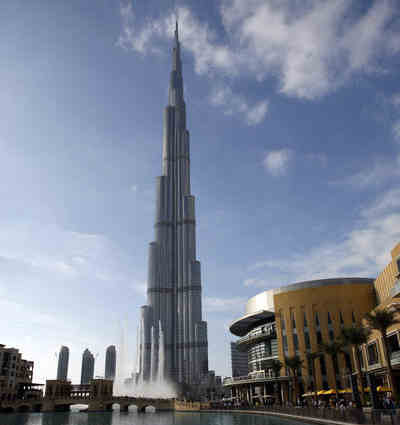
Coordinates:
133	418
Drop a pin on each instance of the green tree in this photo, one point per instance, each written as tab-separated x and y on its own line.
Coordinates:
311	357
276	368
354	337
333	349
381	320
294	363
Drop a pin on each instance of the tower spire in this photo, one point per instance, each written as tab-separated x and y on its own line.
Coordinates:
176	82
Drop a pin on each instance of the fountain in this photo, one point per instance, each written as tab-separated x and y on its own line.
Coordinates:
157	386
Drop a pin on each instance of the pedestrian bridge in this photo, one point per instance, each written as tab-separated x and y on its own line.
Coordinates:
98	395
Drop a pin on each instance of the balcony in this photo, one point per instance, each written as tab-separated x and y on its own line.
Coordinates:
395	291
262	333
253	378
395	358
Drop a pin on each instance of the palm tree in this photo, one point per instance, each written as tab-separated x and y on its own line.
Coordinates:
381	320
311	357
276	368
354	337
333	349
294	363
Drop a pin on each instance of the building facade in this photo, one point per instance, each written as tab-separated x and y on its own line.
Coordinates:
173	336
62	367
295	320
15	373
239	361
87	371
372	357
111	362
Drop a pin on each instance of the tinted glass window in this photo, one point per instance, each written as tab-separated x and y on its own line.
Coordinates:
372	352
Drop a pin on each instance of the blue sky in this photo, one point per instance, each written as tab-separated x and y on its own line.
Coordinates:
294	113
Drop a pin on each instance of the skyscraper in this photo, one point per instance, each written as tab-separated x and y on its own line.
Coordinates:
87	371
173	314
111	359
62	368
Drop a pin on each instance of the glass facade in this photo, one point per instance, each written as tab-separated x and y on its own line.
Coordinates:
260	355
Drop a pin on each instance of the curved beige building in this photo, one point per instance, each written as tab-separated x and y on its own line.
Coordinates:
296	319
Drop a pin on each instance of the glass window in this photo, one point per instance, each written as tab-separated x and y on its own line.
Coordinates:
347	360
329	319
283	326
361	358
341	318
307	340
296	342
316	319
393	343
323	365
285	344
319	337
331	335
353	317
293	320
335	365
372	352
305	320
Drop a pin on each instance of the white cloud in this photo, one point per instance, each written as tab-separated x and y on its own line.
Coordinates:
396	130
140	287
256	283
134	188
376	172
225	304
395	100
236	104
277	162
312	47
365	251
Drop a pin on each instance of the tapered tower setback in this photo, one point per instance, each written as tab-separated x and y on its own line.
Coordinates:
174	277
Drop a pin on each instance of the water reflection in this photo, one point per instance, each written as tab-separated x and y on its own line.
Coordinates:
133	418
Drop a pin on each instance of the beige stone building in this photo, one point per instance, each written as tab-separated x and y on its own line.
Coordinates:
387	290
15	373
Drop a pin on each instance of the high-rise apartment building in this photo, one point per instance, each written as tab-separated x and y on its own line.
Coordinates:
87	371
62	368
171	322
111	359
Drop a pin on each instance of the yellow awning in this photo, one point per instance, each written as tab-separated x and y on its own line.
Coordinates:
330	392
383	389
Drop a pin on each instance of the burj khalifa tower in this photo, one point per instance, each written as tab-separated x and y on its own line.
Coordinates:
171	323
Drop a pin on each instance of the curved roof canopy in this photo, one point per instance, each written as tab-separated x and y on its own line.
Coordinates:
245	324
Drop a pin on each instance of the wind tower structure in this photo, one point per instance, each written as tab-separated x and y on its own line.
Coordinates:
173	336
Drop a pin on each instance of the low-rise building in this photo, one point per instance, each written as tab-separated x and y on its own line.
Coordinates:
15	373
